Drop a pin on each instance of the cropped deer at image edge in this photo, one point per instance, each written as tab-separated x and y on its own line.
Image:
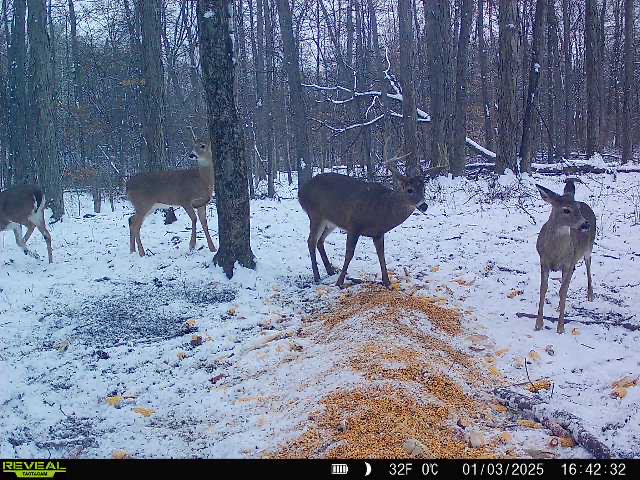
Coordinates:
24	205
564	239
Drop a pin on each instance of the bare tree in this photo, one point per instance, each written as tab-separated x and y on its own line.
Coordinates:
627	139
43	148
215	22
487	106
592	76
507	110
298	109
408	90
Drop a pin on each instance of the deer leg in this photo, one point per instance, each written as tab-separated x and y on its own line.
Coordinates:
135	224
587	262
564	288
323	254
202	215
544	283
312	242
30	228
47	238
132	237
352	241
379	244
192	215
17	231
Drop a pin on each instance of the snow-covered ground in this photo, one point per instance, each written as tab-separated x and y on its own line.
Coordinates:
107	354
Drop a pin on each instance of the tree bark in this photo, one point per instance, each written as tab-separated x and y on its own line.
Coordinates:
460	113
627	122
438	25
20	170
408	91
268	97
568	83
43	151
153	111
592	77
304	161
232	193
507	113
532	89
487	103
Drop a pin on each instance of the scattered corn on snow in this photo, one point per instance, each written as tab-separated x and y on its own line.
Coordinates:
283	367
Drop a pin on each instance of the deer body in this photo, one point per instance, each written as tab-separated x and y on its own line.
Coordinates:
564	239
190	189
24	205
361	209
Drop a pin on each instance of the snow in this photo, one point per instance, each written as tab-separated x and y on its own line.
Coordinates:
101	323
479	147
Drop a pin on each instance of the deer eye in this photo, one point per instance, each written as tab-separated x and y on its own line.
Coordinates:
410	190
202	145
566	211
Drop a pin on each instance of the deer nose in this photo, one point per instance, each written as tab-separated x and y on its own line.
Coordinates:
585	227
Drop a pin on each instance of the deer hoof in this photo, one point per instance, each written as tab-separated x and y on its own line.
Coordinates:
560	329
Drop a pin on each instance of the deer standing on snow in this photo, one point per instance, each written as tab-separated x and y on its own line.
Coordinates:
24	205
361	209
190	189
567	237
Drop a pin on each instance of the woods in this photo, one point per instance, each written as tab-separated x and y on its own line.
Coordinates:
94	92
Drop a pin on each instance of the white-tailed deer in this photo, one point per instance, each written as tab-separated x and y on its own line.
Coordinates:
567	237
24	205
361	209
190	189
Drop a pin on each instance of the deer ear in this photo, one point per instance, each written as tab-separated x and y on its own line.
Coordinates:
569	188
547	195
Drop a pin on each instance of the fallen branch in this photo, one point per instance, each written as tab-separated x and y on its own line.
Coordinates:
535	409
629	326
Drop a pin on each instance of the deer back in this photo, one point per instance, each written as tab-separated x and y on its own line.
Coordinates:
19	203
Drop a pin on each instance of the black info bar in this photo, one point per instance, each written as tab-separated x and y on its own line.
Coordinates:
329	469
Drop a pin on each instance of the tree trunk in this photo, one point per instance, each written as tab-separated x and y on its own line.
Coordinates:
43	151
215	19
153	111
627	134
408	90
507	108
268	97
592	77
568	83
298	110
438	25
20	169
487	103
532	89
462	65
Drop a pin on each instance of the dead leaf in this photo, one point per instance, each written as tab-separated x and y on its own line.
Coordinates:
500	408
231	312
192	323
567	442
575	331
529	424
435	268
182	355
626	382
619	392
533	355
505	437
539	385
196	340
114	401
514	293
120	455
502	352
415	448
495	371
145	412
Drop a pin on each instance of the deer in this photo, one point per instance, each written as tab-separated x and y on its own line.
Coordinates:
360	208
24	205
564	239
190	189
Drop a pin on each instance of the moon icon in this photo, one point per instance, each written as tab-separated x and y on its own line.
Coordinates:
368	472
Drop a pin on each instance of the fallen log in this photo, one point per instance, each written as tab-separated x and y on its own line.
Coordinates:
534	408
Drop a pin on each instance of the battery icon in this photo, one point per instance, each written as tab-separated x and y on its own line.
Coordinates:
339	469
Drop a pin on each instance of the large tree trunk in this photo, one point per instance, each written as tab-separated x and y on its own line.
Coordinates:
568	83
232	193
20	170
268	97
591	40
43	150
408	90
532	89
460	112
304	162
153	111
438	25
627	138
482	60
507	113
